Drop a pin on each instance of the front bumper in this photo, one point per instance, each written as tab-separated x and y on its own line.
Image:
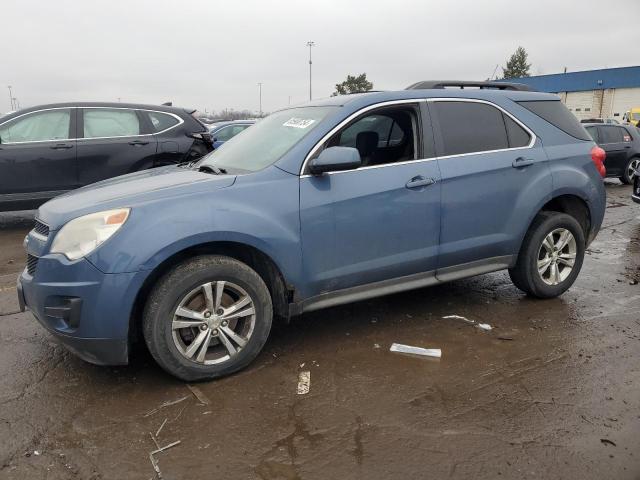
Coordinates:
86	310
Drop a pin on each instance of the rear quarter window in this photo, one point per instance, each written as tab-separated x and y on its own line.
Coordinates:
162	121
554	112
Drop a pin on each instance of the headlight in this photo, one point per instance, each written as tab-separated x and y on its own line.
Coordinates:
83	235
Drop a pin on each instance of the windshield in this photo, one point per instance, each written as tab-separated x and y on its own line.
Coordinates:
266	141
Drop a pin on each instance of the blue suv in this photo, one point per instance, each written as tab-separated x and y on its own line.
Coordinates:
335	201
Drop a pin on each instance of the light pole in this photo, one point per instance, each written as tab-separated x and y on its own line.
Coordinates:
11	97
310	44
260	95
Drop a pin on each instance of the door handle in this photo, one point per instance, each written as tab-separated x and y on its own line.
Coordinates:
522	162
60	146
138	142
419	181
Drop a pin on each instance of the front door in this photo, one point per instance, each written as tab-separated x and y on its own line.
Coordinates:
377	222
113	141
38	155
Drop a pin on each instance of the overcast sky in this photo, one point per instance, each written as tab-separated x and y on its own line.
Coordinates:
211	54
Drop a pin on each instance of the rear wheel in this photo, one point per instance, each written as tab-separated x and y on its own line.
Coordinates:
633	166
208	317
551	255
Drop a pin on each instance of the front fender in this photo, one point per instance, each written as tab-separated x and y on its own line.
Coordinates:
260	214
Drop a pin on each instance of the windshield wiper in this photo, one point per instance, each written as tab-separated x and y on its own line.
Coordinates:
212	169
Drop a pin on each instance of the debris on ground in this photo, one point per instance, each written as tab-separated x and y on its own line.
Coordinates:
428	352
376	345
165	404
481	326
304	382
508	339
156	468
159	449
154	440
606	441
161	426
166	447
202	398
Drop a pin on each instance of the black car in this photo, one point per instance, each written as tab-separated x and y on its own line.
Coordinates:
622	145
50	149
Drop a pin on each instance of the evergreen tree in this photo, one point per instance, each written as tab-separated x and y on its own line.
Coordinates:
517	65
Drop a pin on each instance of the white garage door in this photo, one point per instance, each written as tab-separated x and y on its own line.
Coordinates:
581	104
624	99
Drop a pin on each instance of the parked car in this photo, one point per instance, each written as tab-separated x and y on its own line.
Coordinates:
600	120
298	214
635	194
51	149
622	146
224	131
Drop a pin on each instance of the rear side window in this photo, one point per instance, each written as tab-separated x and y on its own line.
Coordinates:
227	133
468	127
554	112
593	131
611	135
162	121
107	122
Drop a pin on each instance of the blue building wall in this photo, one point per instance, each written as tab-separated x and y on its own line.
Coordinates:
623	77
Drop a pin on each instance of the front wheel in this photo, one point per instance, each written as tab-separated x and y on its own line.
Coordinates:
208	317
551	255
633	166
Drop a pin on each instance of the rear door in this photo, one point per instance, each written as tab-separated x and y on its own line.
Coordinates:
38	155
612	141
112	142
493	173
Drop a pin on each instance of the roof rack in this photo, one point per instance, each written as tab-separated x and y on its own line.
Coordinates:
439	84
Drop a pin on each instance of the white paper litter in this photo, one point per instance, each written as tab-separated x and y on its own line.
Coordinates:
304	382
428	352
481	326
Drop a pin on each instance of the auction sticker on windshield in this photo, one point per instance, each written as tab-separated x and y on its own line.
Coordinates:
298	122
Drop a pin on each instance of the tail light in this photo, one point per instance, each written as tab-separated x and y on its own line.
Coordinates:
598	155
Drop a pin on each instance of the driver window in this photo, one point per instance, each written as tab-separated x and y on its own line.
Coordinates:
383	136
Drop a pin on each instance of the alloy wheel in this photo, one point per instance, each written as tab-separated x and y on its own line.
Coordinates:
633	168
213	322
556	256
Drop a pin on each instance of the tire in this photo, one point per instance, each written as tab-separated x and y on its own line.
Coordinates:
627	177
181	299
526	276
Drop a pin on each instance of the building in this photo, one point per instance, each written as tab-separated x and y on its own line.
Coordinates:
606	93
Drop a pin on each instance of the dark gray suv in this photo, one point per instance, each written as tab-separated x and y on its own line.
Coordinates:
50	149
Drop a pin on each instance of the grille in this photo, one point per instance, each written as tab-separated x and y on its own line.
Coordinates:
32	263
41	228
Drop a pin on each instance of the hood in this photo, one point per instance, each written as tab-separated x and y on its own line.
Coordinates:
155	185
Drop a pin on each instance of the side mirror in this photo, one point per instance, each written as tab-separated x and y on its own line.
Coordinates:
334	159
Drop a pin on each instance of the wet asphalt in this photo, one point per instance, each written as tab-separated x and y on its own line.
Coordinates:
552	391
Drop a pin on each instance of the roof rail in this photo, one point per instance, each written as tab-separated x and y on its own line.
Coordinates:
438	84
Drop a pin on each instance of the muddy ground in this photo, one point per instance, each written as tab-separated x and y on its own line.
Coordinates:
553	391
